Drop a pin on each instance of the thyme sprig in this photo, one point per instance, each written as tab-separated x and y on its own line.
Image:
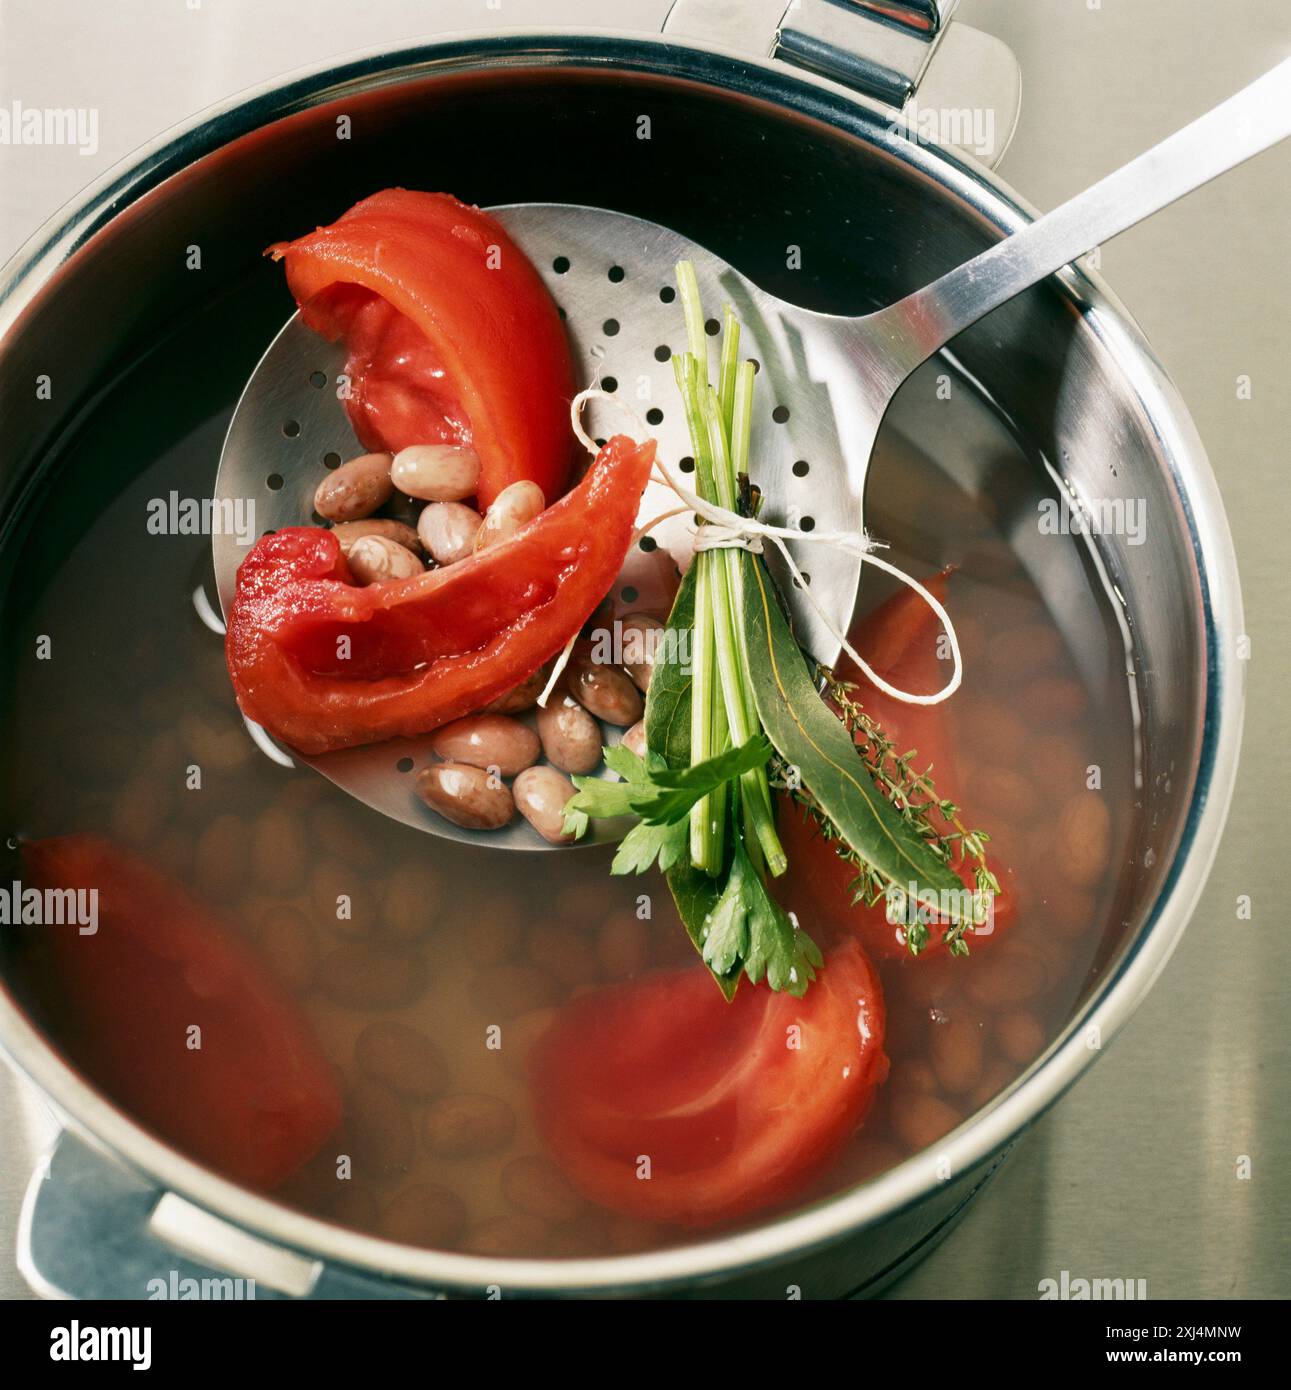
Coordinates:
935	819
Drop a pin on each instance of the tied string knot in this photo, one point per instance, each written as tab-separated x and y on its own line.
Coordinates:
724	529
719	535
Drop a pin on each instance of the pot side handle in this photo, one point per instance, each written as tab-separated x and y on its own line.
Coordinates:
943	82
91	1228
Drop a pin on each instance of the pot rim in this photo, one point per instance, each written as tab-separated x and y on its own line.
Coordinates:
989	1130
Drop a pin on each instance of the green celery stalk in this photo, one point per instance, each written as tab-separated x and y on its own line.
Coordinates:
729	371
707	827
722	705
732	656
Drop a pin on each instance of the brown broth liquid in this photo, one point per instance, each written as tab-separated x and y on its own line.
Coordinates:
99	739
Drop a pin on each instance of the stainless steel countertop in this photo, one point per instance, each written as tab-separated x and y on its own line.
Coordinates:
1135	1175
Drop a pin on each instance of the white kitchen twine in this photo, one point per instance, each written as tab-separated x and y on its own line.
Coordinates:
727	530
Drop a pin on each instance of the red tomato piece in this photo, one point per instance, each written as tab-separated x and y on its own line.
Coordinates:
324	663
735	1106
899	639
451	334
257	1097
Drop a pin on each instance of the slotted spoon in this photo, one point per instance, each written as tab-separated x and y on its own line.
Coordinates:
824	382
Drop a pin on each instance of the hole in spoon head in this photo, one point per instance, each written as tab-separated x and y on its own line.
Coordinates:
654	416
291	429
687	465
318	380
331	460
561	265
610	384
712	328
808	523
274	482
616	274
667	294
628	594
610	328
780	414
404	765
801	468
662	353
648	543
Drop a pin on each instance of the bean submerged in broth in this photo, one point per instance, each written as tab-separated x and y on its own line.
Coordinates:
468	1126
402	1059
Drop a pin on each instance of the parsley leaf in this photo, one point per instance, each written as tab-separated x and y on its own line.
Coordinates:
748	930
679	791
645	845
652	791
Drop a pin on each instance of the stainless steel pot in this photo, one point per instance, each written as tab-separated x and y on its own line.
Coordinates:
558	116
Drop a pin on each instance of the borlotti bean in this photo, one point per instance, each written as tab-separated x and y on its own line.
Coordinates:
287	943
532	1183
919	1120
411	901
571	738
512	508
1020	1036
436	472
468	796
426	1214
354	1205
1006	977
540	794
467	1125
401	1058
641	635
511	990
488	741
521	697
1085	827
376	560
515	1234
356	489
604	690
364	975
622	945
559	949
347	532
448	531
957	1049
635	739
379	1130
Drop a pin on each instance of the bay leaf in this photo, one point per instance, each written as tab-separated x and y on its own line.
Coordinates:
809	736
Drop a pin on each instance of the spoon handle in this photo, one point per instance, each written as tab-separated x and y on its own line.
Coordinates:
1255	118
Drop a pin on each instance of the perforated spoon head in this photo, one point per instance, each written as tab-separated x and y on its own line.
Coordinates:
613	277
